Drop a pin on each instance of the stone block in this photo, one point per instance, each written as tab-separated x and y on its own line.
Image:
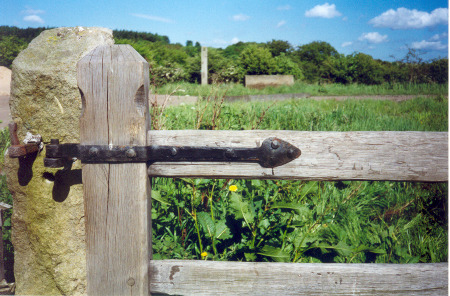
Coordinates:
262	81
48	231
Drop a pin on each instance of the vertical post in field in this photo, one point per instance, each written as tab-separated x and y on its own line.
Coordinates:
204	69
113	81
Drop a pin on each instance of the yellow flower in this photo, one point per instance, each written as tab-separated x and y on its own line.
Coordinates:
204	254
233	188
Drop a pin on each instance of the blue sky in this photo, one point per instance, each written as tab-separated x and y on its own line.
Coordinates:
382	28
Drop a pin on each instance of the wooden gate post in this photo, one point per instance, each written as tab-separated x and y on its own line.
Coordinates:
204	67
113	82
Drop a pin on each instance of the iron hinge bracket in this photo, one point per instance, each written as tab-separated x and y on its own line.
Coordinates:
273	152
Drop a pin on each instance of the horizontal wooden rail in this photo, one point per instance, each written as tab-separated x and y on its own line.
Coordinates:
395	156
184	277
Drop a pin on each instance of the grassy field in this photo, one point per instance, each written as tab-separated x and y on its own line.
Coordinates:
181	89
296	221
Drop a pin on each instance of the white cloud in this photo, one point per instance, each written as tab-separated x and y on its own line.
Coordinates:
31	15
152	18
373	37
404	18
235	40
439	37
325	11
284	7
281	23
345	44
430	45
33	19
240	17
31	11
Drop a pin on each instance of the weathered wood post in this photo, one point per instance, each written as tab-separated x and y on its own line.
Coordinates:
204	69
114	84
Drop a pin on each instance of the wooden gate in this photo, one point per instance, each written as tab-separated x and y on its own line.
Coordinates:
114	84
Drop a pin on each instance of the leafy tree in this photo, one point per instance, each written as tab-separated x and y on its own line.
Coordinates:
367	70
414	63
340	68
10	46
288	67
312	57
192	50
439	71
316	52
256	60
278	47
235	50
132	35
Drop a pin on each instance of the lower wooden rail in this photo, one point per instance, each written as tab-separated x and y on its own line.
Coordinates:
192	277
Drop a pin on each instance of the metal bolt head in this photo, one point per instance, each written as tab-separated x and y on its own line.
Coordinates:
130	153
93	151
173	151
229	153
275	144
131	281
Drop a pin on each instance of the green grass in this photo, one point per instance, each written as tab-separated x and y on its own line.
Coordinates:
181	89
297	221
6	197
420	114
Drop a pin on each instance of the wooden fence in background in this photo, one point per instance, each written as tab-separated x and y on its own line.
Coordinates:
114	84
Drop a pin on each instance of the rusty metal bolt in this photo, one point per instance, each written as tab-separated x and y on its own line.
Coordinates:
275	144
130	153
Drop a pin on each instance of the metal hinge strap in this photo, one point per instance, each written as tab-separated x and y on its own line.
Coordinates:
272	153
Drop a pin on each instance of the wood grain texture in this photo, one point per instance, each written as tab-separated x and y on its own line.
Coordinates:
395	156
114	82
184	277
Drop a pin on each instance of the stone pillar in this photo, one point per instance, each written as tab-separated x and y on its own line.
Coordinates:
204	69
48	228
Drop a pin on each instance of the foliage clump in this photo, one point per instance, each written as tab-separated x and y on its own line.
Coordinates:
315	62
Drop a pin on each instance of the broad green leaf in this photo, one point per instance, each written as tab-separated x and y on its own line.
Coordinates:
241	208
222	230
207	224
277	254
157	196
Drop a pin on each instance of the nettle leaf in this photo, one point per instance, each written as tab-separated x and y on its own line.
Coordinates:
242	208
310	187
207	224
277	254
250	257
341	248
157	196
222	230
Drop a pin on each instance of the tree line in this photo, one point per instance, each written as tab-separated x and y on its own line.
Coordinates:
315	62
